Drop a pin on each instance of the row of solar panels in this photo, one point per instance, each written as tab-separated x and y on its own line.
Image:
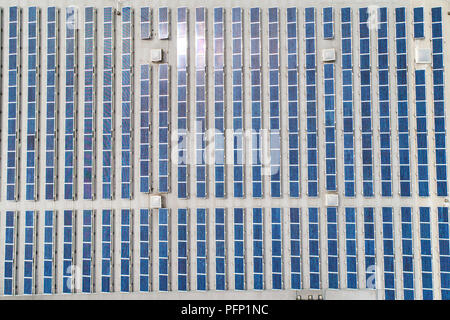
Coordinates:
248	249
216	106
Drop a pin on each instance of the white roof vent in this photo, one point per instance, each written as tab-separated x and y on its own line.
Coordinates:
328	55
423	55
332	200
156	55
155	201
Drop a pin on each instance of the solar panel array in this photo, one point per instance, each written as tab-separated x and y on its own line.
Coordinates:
246	128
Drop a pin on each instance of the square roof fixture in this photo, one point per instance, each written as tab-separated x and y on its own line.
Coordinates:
156	55
423	55
155	201
332	200
328	55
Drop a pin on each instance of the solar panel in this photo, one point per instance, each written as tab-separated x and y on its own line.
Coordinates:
108	118
145	251
238	104
202	249
88	261
426	256
163	250
384	104
127	104
163	23
256	101
219	102
366	104
407	253
146	23
51	159
221	248
388	253
314	248
328	22
351	246
277	249
9	273
107	250
70	104
200	102
69	244
369	247
332	247
183	248
421	133
419	32
402	98
126	248
330	127
49	252
182	100
311	103
239	249
347	102
274	102
444	251
295	242
90	93
163	142
12	170
438	100
258	249
145	129
31	186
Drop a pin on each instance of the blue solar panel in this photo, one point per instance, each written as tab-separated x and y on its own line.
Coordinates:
239	249
333	247
351	248
127	104
438	94
369	248
125	250
163	249
402	89
70	118
328	22
163	23
68	251
49	249
51	103
12	174
388	254
219	102
220	241
108	96
407	254
256	101
202	261
314	248
31	187
146	23
144	250
426	253
347	104
87	278
258	249
163	146
200	102
384	104
90	45
330	127
107	251
238	105
145	131
277	249
10	253
183	96
311	102
366	104
444	251
295	242
182	254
